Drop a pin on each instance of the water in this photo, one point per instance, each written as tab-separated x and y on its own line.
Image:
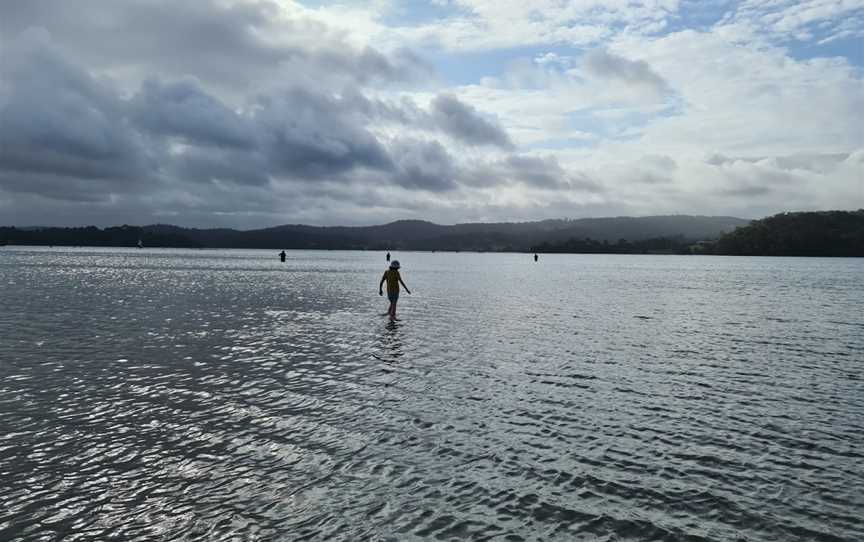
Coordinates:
222	395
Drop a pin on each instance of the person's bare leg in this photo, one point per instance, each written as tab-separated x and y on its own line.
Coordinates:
393	310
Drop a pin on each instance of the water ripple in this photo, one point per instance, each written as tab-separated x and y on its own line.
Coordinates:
220	395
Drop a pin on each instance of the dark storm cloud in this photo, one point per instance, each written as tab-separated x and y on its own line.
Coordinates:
183	109
229	44
122	110
60	122
368	65
425	165
315	135
61	188
546	172
306	134
205	165
463	122
638	73
541	172
57	120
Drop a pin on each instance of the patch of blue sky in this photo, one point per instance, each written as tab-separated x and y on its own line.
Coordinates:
851	48
700	15
610	123
400	13
466	68
417	13
588	121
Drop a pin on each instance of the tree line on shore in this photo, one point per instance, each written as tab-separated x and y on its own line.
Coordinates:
823	233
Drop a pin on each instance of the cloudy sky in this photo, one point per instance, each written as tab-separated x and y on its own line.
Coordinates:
249	113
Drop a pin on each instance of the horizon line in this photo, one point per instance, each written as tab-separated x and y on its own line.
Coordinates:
403	220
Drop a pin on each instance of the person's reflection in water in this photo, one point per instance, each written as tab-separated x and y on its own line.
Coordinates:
390	343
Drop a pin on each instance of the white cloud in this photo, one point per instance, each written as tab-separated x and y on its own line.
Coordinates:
751	101
799	20
486	24
254	113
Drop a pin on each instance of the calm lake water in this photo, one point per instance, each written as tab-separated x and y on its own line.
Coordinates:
223	395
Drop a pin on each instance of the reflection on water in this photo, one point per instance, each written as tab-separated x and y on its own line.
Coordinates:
390	343
213	395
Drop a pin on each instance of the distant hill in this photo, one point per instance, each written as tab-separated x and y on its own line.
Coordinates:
118	236
826	233
403	234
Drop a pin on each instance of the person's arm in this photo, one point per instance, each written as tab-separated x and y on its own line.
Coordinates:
403	285
380	284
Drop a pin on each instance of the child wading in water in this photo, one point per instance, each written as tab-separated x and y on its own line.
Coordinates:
393	281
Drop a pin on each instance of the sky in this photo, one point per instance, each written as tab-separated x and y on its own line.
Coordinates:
245	114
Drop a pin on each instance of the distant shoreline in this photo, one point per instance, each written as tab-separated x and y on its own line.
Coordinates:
823	233
418	251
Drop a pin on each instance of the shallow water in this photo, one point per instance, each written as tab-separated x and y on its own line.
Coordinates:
222	395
